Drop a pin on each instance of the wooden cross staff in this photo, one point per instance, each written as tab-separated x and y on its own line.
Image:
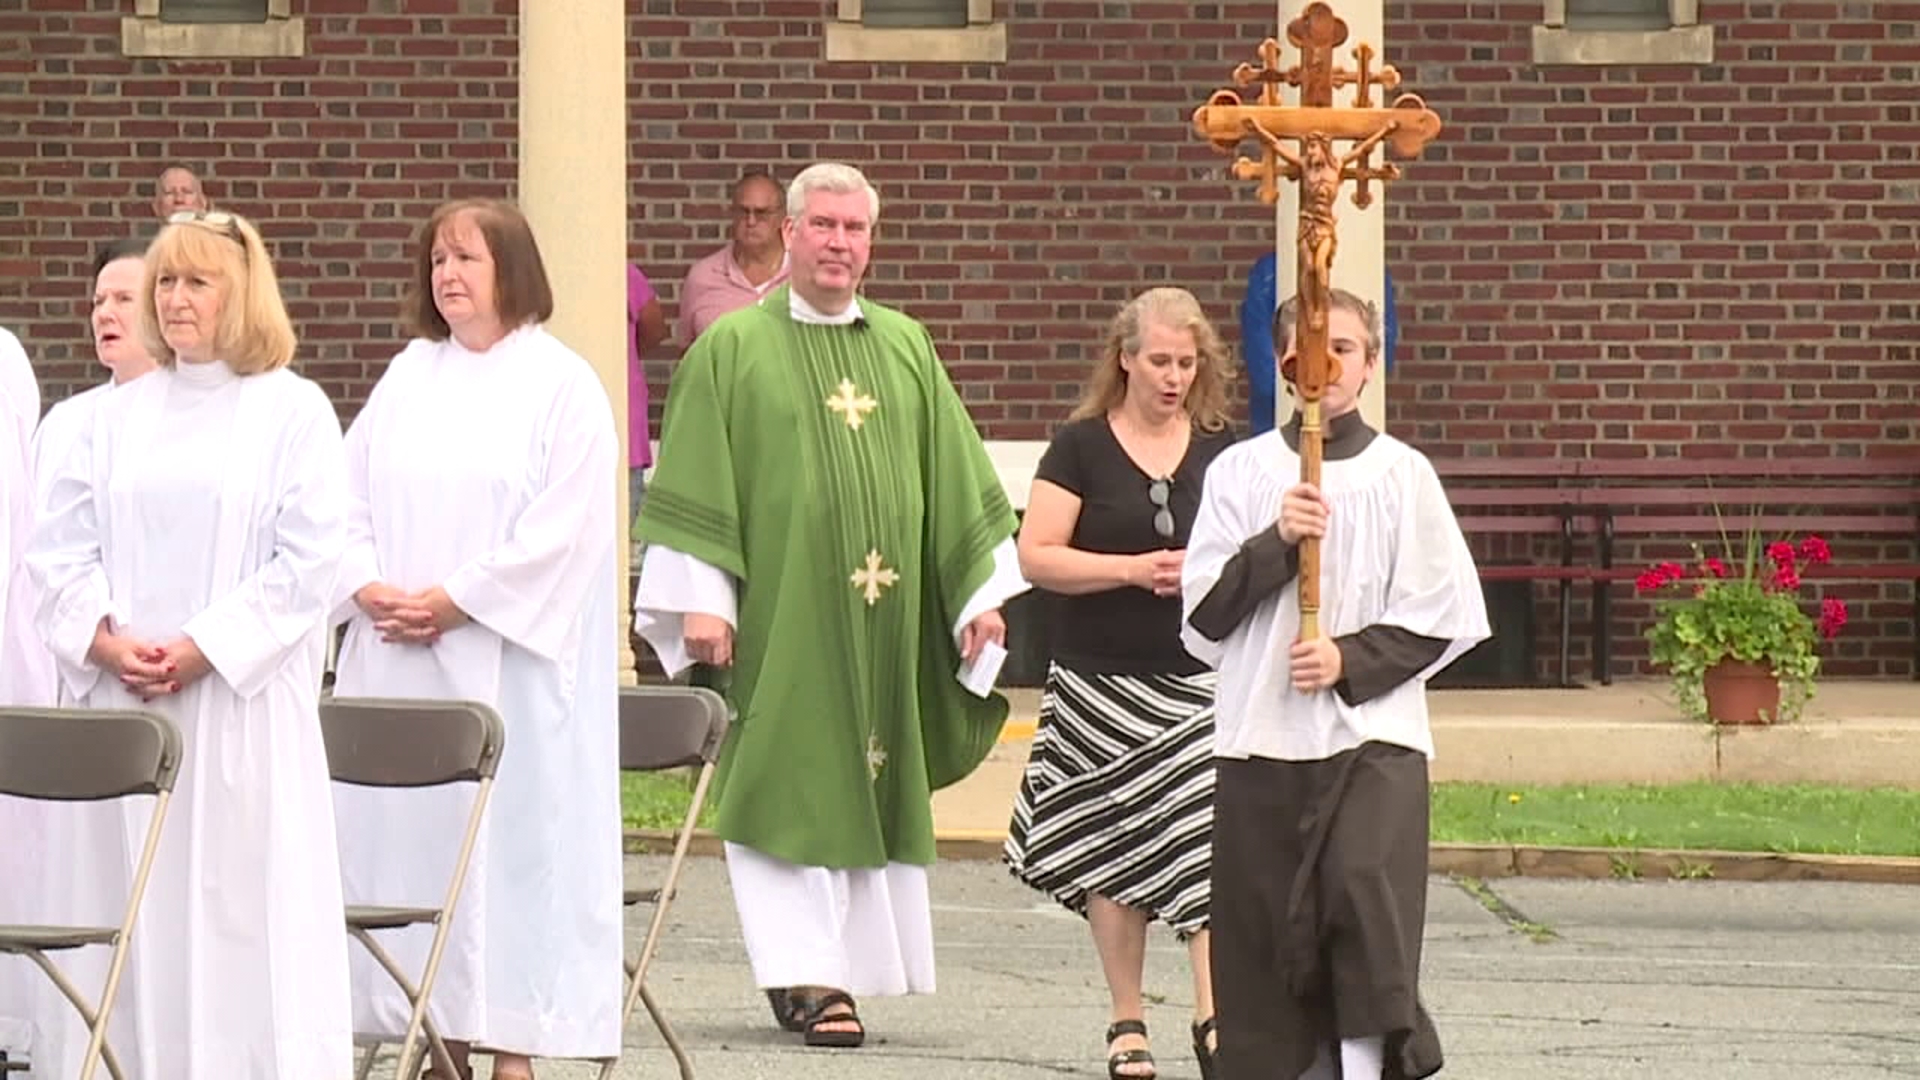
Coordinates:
1314	125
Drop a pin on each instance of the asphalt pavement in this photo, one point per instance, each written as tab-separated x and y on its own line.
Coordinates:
1528	979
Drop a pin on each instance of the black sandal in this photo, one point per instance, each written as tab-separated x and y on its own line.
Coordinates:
1119	1059
1202	1053
817	1017
787	1012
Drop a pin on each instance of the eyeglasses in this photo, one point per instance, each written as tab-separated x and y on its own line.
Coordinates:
219	220
1157	493
756	213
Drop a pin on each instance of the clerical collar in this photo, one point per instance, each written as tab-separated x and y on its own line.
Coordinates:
1342	437
804	312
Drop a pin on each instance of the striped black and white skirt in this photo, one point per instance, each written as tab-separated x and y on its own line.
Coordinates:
1117	800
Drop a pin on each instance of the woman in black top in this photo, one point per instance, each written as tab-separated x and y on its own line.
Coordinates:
1115	814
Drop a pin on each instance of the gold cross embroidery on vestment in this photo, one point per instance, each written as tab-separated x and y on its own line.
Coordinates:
851	404
873	577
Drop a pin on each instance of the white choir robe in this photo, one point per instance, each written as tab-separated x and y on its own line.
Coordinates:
61	428
200	503
1392	554
493	475
84	876
26	667
26	678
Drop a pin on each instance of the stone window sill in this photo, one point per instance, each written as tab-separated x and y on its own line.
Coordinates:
978	44
144	34
1553	45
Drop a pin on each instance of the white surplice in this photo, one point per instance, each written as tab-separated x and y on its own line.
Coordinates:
493	474
201	503
865	930
1392	554
26	678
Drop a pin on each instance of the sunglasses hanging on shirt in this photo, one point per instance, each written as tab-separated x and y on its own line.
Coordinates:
1158	493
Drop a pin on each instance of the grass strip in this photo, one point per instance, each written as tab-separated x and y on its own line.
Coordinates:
1777	818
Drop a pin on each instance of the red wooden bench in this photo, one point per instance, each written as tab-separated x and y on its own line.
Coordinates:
1612	499
1524	497
1677	497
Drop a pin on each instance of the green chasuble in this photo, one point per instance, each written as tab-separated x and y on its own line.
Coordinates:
834	472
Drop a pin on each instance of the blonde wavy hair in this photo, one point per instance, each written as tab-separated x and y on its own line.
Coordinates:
1175	309
253	333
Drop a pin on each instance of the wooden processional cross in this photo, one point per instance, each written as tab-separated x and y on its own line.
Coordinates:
1313	127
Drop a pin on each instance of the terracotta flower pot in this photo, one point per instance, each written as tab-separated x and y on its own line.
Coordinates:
1739	692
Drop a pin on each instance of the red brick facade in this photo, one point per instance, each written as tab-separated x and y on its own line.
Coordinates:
1592	261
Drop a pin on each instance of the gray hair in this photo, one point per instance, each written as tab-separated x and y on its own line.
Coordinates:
836	179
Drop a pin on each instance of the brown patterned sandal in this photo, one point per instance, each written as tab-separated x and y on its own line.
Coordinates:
818	1017
788	1011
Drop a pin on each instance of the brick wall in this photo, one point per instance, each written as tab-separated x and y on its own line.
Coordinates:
1591	261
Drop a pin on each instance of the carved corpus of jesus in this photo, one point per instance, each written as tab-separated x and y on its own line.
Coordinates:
1314	126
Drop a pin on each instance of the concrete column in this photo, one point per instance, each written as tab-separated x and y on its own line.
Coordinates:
1359	266
573	188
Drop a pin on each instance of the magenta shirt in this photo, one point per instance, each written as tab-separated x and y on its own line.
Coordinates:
639	448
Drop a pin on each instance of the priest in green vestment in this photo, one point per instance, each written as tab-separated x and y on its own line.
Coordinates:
824	528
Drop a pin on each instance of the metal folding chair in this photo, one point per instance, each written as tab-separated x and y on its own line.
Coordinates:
87	755
394	743
666	727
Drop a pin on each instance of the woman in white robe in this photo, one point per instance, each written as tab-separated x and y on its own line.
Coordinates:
26	678
119	273
186	552
86	881
481	565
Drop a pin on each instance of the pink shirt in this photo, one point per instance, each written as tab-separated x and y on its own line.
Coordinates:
714	286
639	447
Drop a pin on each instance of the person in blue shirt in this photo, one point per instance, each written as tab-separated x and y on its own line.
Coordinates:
1256	338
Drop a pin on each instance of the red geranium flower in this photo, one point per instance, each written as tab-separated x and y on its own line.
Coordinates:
1715	567
1815	551
1658	575
1786	577
1833	616
1781	553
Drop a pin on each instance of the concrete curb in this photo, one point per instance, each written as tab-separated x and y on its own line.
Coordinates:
1495	860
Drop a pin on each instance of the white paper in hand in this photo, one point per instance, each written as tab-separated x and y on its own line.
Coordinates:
978	677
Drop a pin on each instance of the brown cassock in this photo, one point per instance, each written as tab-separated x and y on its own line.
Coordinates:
1319	867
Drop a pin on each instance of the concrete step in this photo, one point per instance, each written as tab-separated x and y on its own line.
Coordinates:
1853	733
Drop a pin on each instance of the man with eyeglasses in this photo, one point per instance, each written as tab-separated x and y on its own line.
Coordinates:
754	261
